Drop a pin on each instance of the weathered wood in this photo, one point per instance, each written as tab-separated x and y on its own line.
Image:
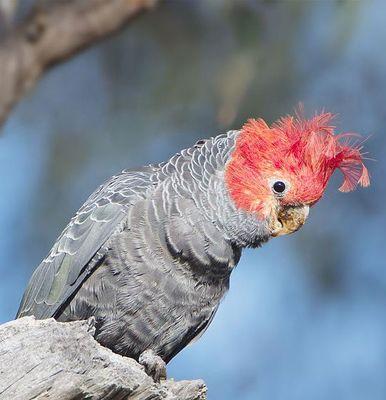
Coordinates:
47	359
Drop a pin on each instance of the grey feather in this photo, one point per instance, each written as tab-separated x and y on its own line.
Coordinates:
69	262
149	254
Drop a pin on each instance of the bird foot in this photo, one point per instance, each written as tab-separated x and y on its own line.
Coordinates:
91	325
154	365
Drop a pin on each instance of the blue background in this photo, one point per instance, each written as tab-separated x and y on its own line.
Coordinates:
305	316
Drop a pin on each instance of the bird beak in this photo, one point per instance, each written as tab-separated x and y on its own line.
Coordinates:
288	219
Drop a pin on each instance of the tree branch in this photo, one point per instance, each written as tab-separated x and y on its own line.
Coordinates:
53	33
62	361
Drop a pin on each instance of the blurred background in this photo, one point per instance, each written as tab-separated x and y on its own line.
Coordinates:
305	317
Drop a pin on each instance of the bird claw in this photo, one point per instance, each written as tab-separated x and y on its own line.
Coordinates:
91	325
154	365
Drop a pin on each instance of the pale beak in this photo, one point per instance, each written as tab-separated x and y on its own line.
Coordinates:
288	219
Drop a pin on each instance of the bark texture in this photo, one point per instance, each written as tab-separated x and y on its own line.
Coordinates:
46	359
54	32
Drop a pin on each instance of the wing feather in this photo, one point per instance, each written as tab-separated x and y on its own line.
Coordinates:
83	243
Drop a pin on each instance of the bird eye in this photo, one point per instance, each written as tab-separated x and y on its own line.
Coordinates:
279	187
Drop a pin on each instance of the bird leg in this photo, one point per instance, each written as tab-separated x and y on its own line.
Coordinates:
154	365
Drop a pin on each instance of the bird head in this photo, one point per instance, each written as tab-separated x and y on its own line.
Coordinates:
278	172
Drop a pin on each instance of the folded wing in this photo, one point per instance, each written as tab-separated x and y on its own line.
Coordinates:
83	244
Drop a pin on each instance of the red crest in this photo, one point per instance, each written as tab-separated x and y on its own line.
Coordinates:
305	153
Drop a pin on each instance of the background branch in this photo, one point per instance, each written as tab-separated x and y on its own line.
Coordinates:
54	32
62	361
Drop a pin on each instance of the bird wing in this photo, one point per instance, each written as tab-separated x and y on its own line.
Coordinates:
83	243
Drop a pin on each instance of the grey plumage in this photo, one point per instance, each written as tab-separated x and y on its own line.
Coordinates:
149	254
